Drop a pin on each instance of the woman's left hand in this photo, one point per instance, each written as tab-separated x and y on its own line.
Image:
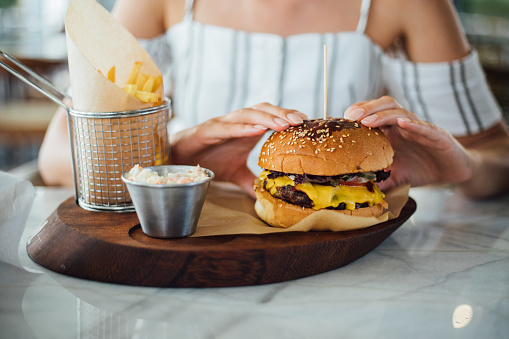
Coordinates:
424	153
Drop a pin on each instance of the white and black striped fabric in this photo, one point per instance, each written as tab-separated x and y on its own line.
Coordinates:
453	95
212	70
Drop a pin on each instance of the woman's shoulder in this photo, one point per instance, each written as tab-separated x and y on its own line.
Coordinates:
429	30
149	18
143	19
174	12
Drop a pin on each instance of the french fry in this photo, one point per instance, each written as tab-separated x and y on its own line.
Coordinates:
149	84
130	89
135	71
111	74
157	82
141	80
140	85
146	96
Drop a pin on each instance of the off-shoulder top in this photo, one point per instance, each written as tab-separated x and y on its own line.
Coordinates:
211	70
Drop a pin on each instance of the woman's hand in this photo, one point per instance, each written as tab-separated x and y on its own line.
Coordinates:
223	144
424	153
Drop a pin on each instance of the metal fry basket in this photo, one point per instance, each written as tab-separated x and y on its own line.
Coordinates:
108	144
105	145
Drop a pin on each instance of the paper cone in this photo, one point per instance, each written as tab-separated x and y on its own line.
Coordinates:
96	42
106	146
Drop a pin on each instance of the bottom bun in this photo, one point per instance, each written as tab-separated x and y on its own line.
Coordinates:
279	213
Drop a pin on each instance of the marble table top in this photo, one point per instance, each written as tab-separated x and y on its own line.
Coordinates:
443	274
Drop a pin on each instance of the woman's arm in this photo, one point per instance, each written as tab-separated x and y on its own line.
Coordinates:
490	154
55	161
430	31
433	33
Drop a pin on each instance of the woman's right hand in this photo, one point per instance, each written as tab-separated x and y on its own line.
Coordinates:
223	144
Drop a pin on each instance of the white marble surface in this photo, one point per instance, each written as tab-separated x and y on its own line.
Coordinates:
443	274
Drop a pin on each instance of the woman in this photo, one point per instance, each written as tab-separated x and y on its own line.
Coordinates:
222	56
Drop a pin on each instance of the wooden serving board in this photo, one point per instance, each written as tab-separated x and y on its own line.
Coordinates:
111	247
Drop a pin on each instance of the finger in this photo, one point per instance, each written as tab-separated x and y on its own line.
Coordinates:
354	107
263	119
424	129
388	117
293	117
216	132
359	111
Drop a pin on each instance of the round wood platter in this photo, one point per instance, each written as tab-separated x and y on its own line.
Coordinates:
111	248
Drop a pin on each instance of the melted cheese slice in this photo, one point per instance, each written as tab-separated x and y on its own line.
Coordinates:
324	196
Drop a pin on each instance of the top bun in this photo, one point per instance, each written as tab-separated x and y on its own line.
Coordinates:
327	147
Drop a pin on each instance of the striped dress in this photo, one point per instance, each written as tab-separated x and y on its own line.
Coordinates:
211	70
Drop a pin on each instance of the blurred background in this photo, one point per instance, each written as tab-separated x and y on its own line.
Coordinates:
33	32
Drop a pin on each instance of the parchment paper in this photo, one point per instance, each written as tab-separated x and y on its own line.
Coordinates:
228	210
96	42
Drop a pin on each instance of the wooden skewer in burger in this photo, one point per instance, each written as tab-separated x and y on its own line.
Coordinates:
330	164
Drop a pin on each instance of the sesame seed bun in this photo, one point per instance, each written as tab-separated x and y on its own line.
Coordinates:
320	150
327	147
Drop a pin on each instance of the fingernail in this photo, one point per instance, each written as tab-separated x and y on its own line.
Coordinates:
369	119
260	127
355	114
405	120
295	118
281	122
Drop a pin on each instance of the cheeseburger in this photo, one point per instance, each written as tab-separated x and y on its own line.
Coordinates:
330	164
